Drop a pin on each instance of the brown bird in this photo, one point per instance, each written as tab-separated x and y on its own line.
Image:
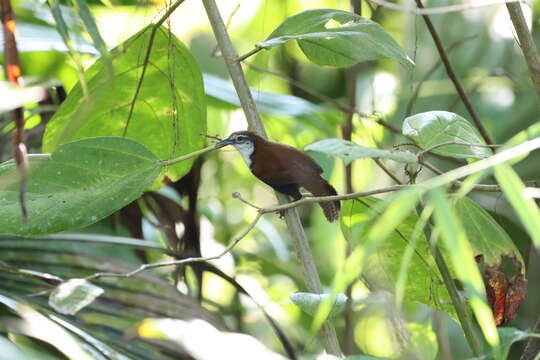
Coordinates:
284	168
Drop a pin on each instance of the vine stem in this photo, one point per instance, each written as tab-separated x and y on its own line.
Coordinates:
526	43
255	124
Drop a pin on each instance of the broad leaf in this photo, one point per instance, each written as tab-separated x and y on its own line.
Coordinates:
438	127
168	114
71	296
423	281
309	302
349	151
337	38
79	184
486	236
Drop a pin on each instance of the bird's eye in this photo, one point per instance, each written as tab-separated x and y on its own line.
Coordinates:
241	139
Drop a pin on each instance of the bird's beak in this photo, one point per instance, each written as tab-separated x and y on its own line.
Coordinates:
223	143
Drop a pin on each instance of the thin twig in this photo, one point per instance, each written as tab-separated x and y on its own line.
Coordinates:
248	54
388	172
452	75
188	156
155	28
181	261
526	43
443	9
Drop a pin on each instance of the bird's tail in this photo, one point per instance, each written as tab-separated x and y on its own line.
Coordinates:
323	188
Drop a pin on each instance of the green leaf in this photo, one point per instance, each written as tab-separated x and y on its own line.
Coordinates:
437	127
423	281
463	263
526	208
486	236
309	302
349	151
337	38
71	296
79	184
364	357
169	113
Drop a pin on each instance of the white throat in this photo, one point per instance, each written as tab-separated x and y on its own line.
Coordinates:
246	149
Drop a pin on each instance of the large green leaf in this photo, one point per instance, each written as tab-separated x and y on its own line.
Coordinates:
349	151
168	112
424	283
337	38
486	236
438	127
79	184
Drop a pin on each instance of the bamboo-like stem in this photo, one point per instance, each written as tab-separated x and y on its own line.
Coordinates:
255	124
471	335
452	75
526	43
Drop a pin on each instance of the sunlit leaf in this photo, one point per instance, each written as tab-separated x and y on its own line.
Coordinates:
337	38
79	184
71	296
438	127
167	115
349	151
309	302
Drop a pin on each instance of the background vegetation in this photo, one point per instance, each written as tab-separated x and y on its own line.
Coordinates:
443	270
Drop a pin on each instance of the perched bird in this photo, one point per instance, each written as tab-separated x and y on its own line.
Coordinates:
284	168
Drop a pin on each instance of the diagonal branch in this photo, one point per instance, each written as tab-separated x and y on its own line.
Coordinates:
453	77
255	124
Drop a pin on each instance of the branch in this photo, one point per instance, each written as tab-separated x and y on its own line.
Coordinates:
188	156
443	9
181	261
255	124
146	60
526	43
453	77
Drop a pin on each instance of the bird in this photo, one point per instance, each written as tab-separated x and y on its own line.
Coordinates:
284	168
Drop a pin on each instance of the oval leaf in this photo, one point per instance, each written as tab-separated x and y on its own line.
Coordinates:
79	184
437	127
337	38
349	151
168	113
71	296
309	302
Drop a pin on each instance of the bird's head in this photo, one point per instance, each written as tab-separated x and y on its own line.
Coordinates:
243	141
